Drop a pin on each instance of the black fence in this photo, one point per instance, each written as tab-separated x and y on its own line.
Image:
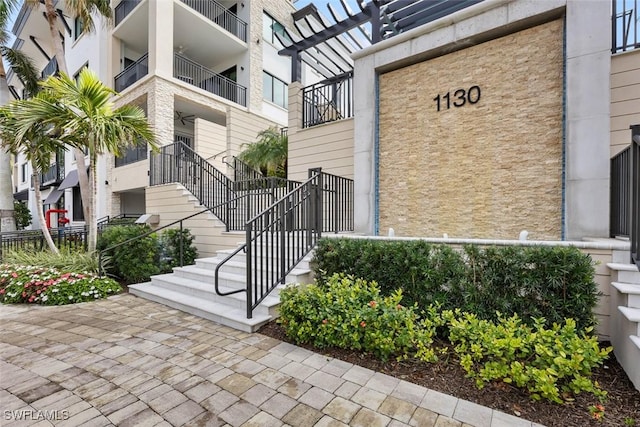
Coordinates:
71	238
132	73
244	172
624	25
198	75
620	194
635	195
328	100
123	9
222	16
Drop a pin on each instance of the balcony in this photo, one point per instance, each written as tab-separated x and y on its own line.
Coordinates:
223	17
123	9
625	31
51	69
328	100
53	176
132	73
197	75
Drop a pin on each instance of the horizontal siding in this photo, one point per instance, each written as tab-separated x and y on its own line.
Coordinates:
329	146
243	128
625	98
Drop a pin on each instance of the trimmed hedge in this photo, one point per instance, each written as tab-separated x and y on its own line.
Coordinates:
532	281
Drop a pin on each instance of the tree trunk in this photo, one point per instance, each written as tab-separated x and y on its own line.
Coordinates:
40	209
92	238
83	178
7	220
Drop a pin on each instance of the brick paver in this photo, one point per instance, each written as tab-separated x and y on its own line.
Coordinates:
130	362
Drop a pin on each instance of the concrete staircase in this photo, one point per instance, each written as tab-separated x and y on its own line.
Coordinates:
625	316
191	289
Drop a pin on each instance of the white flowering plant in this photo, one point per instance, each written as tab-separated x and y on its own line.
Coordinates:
51	286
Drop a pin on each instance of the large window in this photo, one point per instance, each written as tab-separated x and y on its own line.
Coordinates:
274	90
78	212
271	27
133	154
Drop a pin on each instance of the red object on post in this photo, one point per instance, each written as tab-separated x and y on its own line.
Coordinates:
56	211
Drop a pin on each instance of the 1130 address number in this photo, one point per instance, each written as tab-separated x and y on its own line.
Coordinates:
459	98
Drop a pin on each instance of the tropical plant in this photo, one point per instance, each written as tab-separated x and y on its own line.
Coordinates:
36	139
24	68
22	215
67	260
268	154
83	10
83	114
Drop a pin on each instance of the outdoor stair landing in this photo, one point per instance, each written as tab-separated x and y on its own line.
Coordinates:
191	289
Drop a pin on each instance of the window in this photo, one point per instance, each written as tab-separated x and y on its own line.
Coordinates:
78	28
76	76
23	172
133	154
271	27
274	90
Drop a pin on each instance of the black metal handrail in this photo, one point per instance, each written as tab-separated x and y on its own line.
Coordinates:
624	25
635	196
132	73
54	175
620	194
124	8
198	75
328	100
222	16
244	172
283	234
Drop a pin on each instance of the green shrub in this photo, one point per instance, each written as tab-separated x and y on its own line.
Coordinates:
132	262
550	282
66	260
350	313
169	242
50	286
22	215
549	362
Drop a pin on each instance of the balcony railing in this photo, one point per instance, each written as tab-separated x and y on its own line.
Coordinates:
624	25
132	73
54	175
123	9
620	192
133	153
327	101
217	13
51	69
193	73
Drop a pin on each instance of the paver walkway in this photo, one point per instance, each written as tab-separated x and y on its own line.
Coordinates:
130	362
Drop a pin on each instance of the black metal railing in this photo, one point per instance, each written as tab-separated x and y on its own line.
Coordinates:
244	172
132	73
197	75
620	193
219	14
283	234
51	69
72	238
634	212
624	25
328	100
185	139
52	176
123	9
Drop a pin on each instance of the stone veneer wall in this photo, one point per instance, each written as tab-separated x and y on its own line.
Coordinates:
490	169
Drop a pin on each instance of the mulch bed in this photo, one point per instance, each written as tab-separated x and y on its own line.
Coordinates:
622	407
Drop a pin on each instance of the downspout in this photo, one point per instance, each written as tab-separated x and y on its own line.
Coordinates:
376	158
563	214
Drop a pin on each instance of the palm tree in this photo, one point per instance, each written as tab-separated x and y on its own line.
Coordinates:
84	10
36	140
24	68
268	154
84	114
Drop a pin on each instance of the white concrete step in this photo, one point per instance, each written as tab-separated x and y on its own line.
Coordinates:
233	266
627	273
631	290
217	312
620	256
632	315
635	340
242	256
